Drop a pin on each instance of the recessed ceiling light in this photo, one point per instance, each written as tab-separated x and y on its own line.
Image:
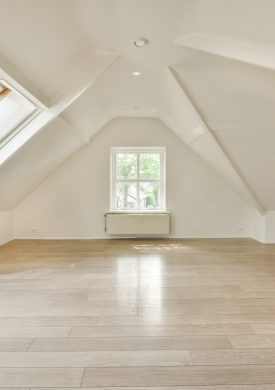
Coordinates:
140	42
136	74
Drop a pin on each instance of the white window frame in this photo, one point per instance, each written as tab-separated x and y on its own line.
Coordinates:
162	180
18	126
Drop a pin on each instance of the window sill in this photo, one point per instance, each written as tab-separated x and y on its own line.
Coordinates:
138	212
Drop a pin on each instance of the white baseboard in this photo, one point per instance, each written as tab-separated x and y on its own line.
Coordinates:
107	237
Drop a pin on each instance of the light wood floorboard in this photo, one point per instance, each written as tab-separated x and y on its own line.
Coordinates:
176	376
129	343
137	315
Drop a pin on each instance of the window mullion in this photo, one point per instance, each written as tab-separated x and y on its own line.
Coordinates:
138	200
115	180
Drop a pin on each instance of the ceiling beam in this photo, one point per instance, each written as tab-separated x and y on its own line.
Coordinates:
75	130
244	51
208	148
87	75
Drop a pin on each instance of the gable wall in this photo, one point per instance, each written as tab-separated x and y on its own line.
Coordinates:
72	201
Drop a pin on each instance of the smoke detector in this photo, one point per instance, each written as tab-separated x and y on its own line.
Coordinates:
140	42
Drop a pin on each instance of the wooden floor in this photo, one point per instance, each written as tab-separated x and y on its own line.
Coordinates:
122	314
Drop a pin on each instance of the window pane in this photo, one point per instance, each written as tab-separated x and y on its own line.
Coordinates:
149	166
126	196
14	109
149	195
126	166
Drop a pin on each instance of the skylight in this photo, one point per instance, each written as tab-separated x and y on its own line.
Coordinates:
15	112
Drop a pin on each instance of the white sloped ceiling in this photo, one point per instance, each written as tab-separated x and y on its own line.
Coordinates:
207	73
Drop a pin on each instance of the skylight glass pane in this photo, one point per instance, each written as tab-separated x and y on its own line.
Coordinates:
14	109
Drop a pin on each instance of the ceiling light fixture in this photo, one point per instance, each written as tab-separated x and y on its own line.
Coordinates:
136	74
140	42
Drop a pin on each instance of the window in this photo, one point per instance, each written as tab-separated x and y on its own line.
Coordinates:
15	111
138	179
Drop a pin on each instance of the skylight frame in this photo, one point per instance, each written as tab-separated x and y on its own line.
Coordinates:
19	126
4	91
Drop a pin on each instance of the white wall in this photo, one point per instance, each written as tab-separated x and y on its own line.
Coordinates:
270	227
263	227
258	226
71	202
6	226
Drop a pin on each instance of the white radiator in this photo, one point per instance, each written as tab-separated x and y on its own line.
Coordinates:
139	224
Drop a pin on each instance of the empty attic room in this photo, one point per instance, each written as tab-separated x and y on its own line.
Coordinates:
137	195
